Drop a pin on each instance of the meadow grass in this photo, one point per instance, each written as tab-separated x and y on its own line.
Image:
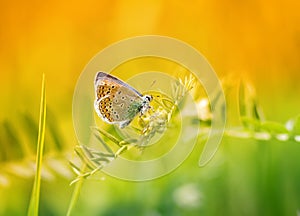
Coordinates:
270	164
33	209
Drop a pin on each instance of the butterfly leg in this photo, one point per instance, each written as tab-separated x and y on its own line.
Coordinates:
145	109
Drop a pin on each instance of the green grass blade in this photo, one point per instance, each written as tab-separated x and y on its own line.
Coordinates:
35	196
76	192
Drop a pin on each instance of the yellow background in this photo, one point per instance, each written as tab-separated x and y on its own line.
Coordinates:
258	38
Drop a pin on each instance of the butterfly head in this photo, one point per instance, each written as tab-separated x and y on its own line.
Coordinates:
147	98
146	103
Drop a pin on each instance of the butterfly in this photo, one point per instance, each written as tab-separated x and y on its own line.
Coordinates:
117	102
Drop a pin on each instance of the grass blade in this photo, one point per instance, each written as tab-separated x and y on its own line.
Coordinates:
35	196
76	192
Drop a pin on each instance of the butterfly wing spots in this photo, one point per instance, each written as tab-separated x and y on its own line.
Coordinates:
110	116
102	76
103	108
104	89
116	102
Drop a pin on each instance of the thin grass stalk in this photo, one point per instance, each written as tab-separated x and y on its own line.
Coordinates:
35	196
76	192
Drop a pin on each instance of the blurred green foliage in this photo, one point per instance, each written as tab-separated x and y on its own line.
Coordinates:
250	175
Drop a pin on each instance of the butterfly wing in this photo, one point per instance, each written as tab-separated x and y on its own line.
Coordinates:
116	102
104	76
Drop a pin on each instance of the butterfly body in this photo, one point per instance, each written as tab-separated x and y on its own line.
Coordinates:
116	102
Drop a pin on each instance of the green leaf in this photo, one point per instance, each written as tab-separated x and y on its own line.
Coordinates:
35	196
250	123
273	127
107	135
31	128
242	105
257	111
11	145
248	105
108	149
82	154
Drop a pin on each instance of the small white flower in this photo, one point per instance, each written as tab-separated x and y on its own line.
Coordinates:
204	109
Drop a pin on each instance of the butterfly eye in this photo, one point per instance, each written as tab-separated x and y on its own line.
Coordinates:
149	98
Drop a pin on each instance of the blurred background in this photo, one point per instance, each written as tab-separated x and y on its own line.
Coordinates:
256	40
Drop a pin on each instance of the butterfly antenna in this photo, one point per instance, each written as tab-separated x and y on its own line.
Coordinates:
152	84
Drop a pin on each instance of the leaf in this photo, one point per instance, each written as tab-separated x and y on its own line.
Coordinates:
75	168
35	196
100	159
250	123
268	126
81	152
107	148
248	105
242	99
31	128
273	127
257	111
109	136
12	148
101	154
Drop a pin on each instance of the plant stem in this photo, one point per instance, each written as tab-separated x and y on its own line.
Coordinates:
76	193
35	196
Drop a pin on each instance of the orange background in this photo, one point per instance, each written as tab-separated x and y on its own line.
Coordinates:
259	39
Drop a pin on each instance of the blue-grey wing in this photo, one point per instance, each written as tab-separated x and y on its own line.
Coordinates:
104	76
